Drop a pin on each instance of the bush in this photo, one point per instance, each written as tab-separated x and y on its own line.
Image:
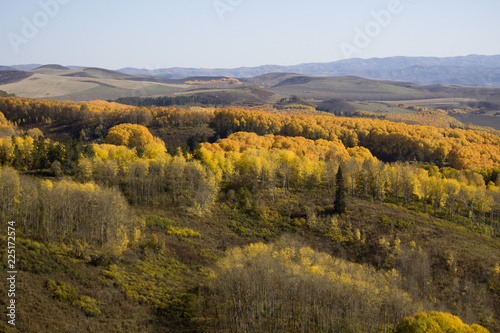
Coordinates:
131	135
156	221
62	291
183	232
437	322
88	305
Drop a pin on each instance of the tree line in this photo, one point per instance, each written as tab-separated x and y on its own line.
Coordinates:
386	140
289	287
89	121
177	100
245	160
65	211
269	163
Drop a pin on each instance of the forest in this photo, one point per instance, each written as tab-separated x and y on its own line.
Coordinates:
178	100
206	219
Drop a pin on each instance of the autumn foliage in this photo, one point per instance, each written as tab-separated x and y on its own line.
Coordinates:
387	140
437	322
93	119
292	288
131	135
223	80
261	175
275	164
65	211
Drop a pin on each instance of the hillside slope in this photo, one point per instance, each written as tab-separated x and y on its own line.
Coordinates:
165	219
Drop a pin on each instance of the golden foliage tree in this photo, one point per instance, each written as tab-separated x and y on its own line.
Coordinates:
65	211
287	287
131	135
437	322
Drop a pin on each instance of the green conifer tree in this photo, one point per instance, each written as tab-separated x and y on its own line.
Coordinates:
339	203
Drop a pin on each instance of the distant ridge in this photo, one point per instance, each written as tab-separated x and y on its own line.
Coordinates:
90	83
27	67
471	70
477	70
53	66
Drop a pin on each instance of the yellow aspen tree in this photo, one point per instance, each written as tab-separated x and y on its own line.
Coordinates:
437	193
352	167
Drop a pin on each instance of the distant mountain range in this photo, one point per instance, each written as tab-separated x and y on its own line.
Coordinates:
475	70
467	70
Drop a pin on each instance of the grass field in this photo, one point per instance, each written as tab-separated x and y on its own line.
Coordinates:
435	102
47	86
349	87
378	107
86	88
479	119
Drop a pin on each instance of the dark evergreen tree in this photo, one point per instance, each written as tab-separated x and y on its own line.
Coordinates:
18	160
139	151
55	152
339	205
40	158
73	150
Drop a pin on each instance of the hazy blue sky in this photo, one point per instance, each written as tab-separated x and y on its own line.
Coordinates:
232	33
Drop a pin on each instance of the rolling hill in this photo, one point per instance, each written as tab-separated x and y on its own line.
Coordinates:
63	83
475	70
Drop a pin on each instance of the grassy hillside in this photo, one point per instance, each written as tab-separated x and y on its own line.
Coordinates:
58	82
130	289
189	223
242	95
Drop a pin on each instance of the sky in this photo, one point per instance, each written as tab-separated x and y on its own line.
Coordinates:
155	34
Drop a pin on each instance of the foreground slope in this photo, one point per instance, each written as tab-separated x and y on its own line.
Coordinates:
131	237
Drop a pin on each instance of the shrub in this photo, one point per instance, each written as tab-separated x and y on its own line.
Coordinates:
156	221
62	291
88	305
437	322
131	135
183	232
